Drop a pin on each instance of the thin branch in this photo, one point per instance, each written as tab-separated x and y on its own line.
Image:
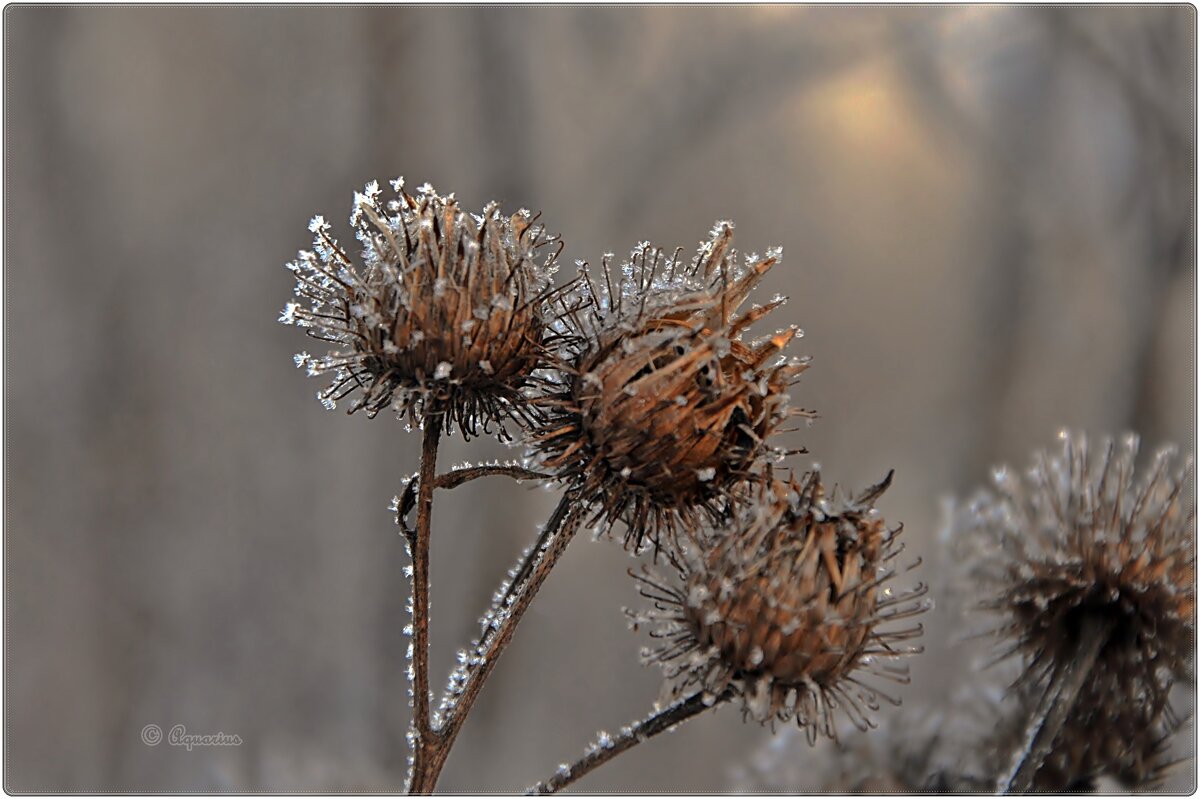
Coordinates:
1051	712
456	477
425	743
453	479
606	749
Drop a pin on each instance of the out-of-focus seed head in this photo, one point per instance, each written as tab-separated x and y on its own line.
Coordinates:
665	412
1080	760
442	312
1132	751
787	608
1080	537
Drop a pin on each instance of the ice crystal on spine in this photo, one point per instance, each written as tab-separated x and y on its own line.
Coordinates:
664	413
1079	537
785	607
397	315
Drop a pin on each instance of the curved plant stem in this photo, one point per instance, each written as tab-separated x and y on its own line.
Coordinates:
647	728
558	532
425	744
1052	710
456	477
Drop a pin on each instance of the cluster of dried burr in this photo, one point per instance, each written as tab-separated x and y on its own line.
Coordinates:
640	393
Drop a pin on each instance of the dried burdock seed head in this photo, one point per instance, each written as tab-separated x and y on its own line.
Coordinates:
443	312
1080	759
1134	753
1080	541
665	412
787	607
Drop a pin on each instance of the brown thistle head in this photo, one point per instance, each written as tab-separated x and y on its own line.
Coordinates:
1079	539
786	608
665	411
442	312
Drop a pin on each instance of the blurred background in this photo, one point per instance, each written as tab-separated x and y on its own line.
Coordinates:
986	216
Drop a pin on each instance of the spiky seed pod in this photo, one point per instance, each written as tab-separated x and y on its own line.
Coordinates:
442	313
665	412
1079	538
787	607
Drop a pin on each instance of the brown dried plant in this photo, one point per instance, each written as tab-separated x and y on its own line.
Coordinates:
641	394
788	607
664	415
1091	573
442	314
